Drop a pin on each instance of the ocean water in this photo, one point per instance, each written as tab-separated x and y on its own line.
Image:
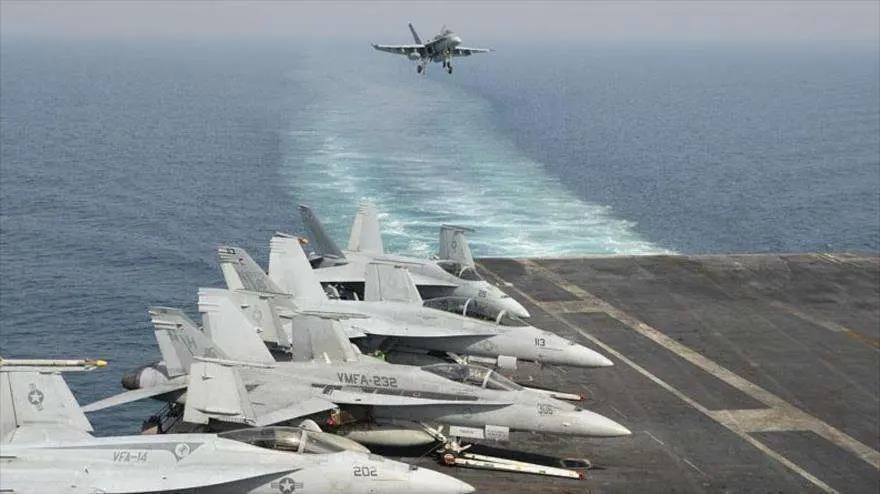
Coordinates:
123	165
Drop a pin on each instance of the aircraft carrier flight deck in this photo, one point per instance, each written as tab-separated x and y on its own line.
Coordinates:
735	373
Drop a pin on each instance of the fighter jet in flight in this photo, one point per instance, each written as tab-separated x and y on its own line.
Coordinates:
393	320
454	274
46	448
229	377
442	48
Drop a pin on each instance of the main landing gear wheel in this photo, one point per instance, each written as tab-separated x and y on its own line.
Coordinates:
449	68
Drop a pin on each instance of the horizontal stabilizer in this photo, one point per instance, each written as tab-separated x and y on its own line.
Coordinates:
135	395
241	272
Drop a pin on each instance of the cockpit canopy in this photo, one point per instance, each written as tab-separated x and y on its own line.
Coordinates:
473	374
284	439
461	271
471	307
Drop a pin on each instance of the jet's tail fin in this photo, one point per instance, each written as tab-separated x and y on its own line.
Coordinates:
415	35
217	392
290	271
320	338
269	314
454	245
241	272
365	234
230	329
37	405
325	245
180	340
387	282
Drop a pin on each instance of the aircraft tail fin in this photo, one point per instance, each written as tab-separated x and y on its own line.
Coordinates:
180	340
365	234
37	405
454	244
319	338
217	391
230	329
241	272
325	245
290	271
387	282
415	35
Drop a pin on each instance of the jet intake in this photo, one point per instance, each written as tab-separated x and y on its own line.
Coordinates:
146	376
414	55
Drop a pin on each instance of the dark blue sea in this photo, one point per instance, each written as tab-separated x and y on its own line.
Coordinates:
123	165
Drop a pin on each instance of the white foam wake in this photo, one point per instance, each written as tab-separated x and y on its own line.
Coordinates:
427	153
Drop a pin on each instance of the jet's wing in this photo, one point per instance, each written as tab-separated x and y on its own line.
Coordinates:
365	234
379	327
135	395
354	273
390	283
461	51
405	50
367	395
37	406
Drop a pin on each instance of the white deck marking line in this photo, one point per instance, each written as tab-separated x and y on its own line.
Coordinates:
655	438
789	411
829	325
694	466
727	424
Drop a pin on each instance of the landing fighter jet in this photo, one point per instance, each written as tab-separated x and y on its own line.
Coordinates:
455	274
440	49
46	448
229	377
392	318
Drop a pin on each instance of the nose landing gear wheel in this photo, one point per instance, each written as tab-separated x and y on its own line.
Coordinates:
449	68
419	69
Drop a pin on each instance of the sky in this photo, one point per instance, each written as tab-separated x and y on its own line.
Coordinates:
475	21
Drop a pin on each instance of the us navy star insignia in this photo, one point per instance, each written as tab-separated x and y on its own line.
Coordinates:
35	397
287	485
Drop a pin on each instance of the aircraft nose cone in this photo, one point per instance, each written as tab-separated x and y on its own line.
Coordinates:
587	423
514	308
581	356
427	481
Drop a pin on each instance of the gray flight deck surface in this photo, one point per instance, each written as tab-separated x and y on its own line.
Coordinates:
735	373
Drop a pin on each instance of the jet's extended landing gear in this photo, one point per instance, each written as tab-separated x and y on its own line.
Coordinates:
453	453
419	69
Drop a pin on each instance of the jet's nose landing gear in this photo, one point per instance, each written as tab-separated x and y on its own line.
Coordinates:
448	67
419	69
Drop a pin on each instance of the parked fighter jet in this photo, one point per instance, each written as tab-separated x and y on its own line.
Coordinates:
46	448
440	49
393	320
455	274
385	403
